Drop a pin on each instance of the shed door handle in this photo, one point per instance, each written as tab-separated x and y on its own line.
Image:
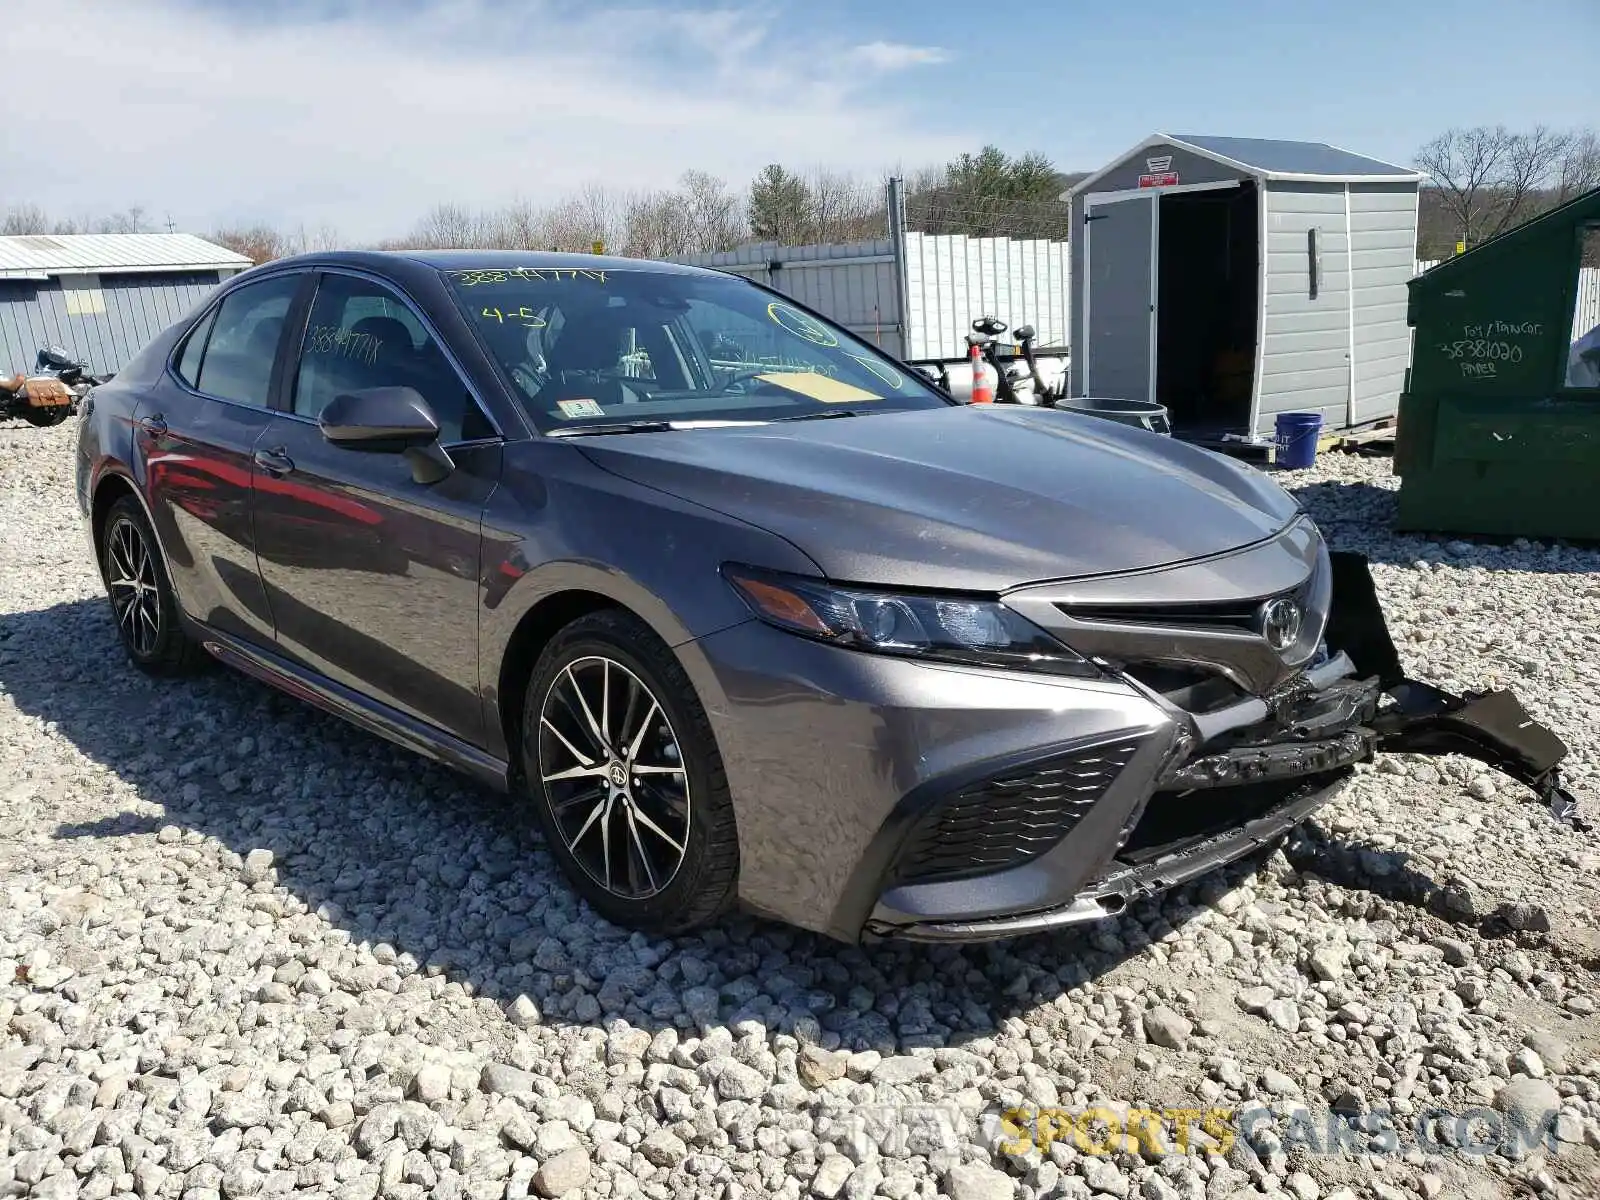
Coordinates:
274	462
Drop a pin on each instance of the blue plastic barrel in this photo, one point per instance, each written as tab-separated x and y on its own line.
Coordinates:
1297	439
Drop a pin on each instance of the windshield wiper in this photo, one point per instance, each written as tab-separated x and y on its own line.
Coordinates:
656	426
617	427
826	414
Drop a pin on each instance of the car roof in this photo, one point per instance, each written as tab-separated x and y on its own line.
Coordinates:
470	260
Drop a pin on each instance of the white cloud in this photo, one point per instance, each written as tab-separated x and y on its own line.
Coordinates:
895	56
366	118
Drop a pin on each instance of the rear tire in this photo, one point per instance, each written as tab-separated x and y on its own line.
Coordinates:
44	418
625	776
143	603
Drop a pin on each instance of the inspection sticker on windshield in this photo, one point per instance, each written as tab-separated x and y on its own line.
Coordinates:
580	408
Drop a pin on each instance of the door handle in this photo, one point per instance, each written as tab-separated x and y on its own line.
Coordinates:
273	462
155	425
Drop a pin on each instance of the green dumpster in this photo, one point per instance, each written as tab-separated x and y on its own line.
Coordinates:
1499	422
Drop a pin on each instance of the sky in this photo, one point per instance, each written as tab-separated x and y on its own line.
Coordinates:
359	115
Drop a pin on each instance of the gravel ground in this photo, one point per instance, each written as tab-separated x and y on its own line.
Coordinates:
247	950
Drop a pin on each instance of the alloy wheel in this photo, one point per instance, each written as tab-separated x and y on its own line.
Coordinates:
614	778
135	594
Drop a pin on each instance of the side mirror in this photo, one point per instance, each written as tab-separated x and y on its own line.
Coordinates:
396	420
1023	333
389	419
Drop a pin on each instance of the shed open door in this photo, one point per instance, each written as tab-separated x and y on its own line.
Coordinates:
1119	321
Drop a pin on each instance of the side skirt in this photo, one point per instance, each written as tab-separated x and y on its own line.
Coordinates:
362	711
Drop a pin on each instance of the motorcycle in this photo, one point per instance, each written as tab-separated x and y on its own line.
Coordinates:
52	393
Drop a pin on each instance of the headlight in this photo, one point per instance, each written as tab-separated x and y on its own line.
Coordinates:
946	628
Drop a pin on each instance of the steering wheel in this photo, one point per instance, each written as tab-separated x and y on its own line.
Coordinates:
742	377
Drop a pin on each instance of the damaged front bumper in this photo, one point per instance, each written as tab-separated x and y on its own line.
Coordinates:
1238	778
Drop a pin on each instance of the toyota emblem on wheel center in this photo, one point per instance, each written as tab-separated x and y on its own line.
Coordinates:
1280	622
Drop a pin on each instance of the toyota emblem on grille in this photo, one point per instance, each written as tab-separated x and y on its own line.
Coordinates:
1280	622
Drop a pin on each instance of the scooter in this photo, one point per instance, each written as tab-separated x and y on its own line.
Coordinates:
1013	384
52	393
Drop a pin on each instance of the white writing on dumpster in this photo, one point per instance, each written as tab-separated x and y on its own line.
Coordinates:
1481	347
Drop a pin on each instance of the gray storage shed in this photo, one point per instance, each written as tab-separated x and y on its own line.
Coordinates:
101	296
1232	279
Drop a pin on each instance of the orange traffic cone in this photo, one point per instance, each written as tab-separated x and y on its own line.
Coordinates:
982	389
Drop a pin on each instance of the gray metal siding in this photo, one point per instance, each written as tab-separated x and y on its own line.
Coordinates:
1383	239
1305	363
950	281
851	282
137	307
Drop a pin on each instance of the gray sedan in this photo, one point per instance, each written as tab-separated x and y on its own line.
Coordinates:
744	608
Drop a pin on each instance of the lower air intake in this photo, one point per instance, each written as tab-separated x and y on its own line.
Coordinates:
1008	819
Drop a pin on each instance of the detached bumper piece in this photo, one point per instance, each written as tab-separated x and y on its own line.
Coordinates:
1492	727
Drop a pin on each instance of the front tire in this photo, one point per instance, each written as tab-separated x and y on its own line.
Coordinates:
142	600
625	776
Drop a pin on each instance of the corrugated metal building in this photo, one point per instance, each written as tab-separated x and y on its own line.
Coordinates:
101	297
1232	279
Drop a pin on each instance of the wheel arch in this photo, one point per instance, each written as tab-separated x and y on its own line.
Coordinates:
532	634
108	489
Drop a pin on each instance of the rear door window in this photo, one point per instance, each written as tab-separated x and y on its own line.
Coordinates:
243	343
194	350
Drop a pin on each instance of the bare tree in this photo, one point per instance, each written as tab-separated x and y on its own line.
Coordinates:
258	243
263	243
1580	168
130	220
455	227
701	215
24	219
845	208
1488	180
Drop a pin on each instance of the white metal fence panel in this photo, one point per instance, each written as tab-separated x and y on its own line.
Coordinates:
952	279
1585	313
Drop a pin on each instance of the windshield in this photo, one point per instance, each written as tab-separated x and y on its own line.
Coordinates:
602	347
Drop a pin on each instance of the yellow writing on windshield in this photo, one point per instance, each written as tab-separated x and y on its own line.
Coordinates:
483	275
882	370
523	315
801	325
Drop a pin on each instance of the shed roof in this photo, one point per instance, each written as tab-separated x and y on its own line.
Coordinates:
1273	157
1269	158
39	256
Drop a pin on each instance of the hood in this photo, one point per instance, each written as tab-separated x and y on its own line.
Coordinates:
971	499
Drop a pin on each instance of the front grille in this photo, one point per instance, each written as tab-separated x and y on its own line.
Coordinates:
1238	614
1008	819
